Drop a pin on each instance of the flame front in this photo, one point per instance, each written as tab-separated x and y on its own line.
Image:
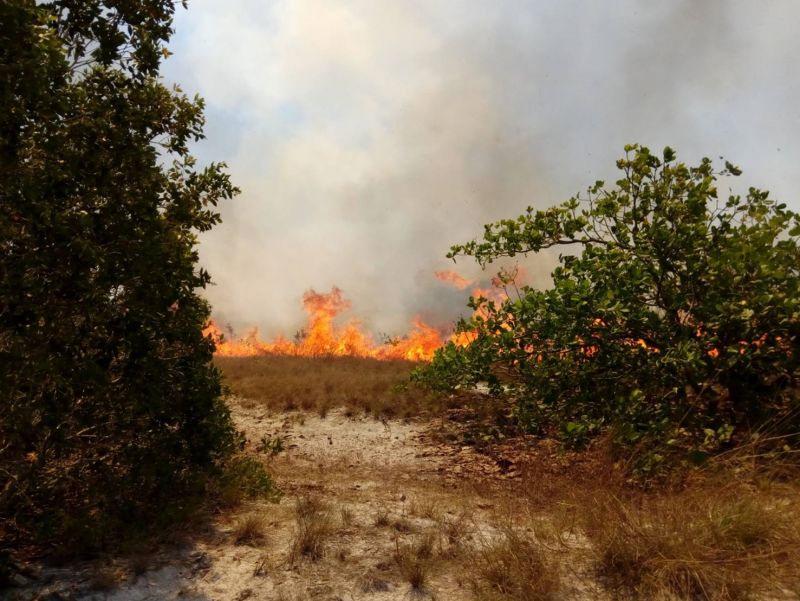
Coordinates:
322	337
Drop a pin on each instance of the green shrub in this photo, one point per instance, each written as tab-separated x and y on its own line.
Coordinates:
244	478
674	320
110	410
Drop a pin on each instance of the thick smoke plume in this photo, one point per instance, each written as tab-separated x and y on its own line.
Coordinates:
369	136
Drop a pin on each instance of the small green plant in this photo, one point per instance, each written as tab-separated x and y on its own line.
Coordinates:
244	478
270	445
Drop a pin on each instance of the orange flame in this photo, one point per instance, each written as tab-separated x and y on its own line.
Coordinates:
453	278
323	338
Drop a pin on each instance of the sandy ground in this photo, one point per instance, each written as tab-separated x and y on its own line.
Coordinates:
387	487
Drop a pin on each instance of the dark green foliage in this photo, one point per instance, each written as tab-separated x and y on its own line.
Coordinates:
675	323
110	410
245	478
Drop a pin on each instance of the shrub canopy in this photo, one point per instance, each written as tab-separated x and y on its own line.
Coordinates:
109	407
674	319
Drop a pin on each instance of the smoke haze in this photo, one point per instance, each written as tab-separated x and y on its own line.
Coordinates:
368	136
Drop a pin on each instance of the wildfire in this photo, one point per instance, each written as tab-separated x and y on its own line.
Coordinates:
322	337
453	278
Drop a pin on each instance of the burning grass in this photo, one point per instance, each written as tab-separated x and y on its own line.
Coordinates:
359	385
322	337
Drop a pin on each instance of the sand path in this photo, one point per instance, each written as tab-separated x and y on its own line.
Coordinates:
386	485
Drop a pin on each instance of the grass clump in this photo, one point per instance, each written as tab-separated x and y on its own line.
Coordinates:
250	530
414	562
454	531
371	582
382	518
315	525
714	545
515	567
424	508
346	517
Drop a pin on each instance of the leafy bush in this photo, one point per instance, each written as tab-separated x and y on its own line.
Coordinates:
675	322
244	478
110	410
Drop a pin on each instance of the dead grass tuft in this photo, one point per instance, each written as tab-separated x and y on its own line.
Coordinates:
424	508
414	562
402	525
373	583
346	516
515	567
717	545
382	518
250	530
315	526
455	532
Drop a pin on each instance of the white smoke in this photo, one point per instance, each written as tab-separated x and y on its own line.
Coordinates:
367	136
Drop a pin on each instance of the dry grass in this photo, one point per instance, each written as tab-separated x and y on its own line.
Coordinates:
315	526
371	582
318	384
346	516
515	567
284	595
402	525
414	561
715	544
425	508
455	531
250	529
382	518
700	543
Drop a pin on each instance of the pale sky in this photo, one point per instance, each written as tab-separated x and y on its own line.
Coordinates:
368	136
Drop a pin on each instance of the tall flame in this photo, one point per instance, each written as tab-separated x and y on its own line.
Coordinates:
453	278
322	337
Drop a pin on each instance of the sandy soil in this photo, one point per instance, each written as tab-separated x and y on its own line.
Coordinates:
387	486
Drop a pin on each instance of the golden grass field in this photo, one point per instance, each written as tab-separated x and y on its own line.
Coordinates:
360	386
